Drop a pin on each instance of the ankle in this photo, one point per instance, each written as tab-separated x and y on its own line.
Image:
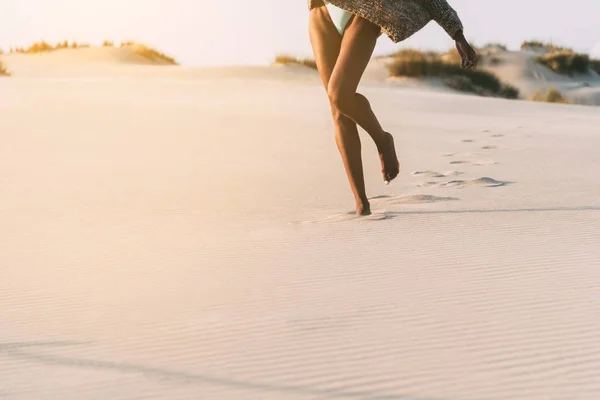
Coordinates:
363	207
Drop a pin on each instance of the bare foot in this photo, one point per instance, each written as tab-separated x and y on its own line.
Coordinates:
363	208
390	167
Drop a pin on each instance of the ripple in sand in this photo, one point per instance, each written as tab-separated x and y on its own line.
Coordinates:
350	216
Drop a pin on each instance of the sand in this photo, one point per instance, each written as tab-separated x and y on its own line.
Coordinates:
188	233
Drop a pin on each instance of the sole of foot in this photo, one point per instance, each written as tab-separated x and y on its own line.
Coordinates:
390	166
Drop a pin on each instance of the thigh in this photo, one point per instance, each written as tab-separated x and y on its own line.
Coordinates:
325	41
355	52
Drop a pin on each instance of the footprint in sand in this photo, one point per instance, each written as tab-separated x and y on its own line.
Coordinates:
465	154
483	163
483	181
379	215
429	174
468	141
428	184
434	174
490	147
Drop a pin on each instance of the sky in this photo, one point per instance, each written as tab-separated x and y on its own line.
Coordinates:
251	32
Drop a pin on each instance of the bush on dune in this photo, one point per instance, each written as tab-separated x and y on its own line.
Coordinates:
595	65
153	54
39	47
62	45
3	70
149	52
537	45
453	56
417	64
289	60
493	60
139	48
76	45
566	62
43	46
550	96
492	46
533	44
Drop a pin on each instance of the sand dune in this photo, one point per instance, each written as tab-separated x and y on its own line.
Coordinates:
519	68
516	68
178	233
63	62
109	63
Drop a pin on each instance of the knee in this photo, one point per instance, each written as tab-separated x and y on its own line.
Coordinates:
341	121
341	100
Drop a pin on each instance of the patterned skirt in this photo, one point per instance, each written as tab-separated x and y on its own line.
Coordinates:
400	19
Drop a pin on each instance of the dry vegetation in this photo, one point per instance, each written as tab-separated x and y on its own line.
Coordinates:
39	47
284	59
141	49
550	96
494	46
561	60
595	65
149	52
537	45
43	46
3	70
566	62
418	64
65	45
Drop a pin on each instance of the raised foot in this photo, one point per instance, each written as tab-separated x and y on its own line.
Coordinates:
390	166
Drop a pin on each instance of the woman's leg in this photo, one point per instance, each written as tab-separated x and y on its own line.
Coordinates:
356	49
326	43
